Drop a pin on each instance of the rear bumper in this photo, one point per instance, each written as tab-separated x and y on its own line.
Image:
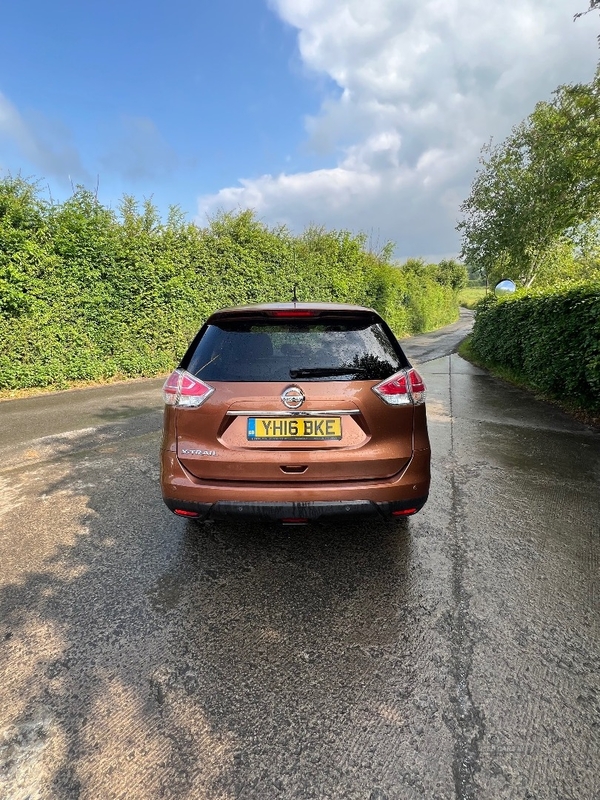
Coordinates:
405	491
295	511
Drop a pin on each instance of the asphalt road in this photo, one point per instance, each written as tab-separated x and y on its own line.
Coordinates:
455	655
436	344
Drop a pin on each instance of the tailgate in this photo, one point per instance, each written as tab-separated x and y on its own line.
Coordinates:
365	439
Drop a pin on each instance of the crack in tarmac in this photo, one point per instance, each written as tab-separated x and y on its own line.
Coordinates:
467	726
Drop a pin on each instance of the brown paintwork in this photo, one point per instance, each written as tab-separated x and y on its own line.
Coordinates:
365	451
178	484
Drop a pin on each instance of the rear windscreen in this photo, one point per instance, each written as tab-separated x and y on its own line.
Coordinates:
313	350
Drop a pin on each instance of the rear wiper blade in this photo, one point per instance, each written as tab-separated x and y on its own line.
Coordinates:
324	372
208	363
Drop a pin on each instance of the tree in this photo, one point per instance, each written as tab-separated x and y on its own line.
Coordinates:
594	6
452	273
537	187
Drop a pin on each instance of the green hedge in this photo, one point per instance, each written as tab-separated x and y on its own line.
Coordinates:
550	337
87	293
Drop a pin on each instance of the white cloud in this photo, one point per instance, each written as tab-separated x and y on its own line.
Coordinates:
46	145
422	85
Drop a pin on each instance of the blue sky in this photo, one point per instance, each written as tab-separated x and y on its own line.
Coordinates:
166	98
367	116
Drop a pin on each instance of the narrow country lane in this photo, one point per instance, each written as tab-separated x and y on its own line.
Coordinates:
455	655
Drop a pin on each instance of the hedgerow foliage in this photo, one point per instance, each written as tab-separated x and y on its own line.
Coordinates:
88	293
551	338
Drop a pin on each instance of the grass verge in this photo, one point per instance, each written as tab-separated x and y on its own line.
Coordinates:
469	297
583	415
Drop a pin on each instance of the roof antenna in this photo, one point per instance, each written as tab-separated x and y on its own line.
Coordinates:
295	298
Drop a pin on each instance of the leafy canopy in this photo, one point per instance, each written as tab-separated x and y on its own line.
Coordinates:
538	190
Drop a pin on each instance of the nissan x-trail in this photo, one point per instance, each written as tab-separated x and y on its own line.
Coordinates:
294	411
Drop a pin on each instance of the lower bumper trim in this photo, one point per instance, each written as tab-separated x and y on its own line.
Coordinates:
278	511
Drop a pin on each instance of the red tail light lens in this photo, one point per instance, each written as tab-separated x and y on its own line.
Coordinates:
184	390
404	388
394	391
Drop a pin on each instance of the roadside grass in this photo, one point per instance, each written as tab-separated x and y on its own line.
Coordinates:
470	296
581	414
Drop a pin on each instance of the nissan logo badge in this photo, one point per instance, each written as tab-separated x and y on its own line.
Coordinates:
293	397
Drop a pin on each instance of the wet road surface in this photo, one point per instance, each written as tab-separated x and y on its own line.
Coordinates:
455	655
443	342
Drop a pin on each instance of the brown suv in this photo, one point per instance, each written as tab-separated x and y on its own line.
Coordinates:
294	411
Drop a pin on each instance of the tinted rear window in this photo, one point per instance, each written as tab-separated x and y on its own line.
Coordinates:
305	350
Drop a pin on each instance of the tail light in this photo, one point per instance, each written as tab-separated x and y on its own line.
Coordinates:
402	389
417	387
184	390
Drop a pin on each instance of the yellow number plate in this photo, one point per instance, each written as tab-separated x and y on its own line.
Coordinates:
294	428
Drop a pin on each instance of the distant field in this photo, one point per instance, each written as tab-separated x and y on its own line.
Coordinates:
470	296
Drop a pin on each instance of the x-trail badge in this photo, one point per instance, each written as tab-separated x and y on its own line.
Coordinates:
292	397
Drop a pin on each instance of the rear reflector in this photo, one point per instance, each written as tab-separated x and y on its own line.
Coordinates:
294	521
185	390
181	512
405	512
